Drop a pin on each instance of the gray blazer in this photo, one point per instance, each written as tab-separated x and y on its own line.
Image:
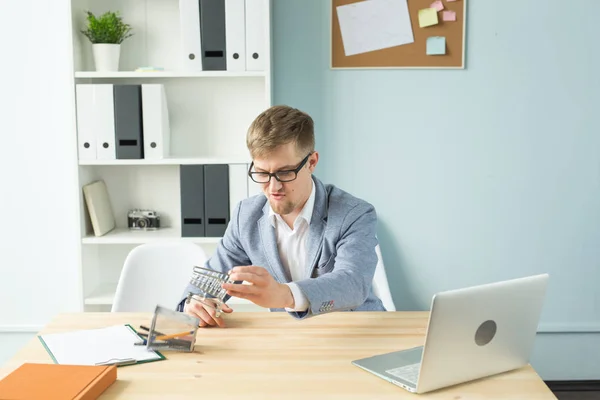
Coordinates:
341	245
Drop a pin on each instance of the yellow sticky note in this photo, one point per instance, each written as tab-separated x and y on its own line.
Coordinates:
428	17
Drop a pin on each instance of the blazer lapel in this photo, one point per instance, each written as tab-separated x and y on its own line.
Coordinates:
269	242
316	231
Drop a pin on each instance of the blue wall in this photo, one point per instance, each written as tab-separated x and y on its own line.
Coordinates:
482	174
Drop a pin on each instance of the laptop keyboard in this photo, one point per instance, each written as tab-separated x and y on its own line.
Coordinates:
409	373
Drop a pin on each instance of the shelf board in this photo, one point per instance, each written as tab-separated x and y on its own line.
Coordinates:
126	236
104	295
169	161
168	74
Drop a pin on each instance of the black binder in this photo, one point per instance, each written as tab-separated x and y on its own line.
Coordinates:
216	199
128	121
212	35
191	184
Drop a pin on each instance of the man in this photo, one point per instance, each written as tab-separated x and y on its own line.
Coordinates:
304	247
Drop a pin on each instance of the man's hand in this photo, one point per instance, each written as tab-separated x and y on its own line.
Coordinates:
263	290
206	313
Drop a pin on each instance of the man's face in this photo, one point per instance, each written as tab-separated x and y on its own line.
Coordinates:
287	197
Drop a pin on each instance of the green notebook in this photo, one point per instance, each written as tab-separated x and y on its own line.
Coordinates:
113	345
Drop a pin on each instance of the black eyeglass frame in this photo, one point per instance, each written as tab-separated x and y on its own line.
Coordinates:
274	174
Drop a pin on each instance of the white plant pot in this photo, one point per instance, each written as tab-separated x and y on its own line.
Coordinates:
106	56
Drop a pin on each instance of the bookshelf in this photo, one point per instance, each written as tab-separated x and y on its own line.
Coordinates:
126	236
171	161
167	74
209	113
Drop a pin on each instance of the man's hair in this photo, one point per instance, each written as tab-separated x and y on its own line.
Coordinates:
280	125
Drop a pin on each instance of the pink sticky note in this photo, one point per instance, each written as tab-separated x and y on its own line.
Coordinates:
448	16
437	5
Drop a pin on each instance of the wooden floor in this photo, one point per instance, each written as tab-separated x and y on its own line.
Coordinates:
578	395
575	390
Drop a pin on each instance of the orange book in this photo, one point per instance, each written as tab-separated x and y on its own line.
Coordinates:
57	382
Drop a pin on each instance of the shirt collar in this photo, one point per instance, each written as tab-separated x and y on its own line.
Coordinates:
306	212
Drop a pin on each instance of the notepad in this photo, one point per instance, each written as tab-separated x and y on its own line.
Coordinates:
57	382
104	346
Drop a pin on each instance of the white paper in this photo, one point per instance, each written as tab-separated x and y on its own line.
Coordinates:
374	24
88	347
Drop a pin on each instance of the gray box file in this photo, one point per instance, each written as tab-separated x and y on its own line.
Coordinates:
191	184
216	199
128	121
212	35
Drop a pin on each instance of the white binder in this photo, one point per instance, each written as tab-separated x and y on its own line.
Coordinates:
256	23
238	185
155	114
191	45
86	138
105	122
235	34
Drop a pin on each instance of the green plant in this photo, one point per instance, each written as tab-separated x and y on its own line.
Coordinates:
108	28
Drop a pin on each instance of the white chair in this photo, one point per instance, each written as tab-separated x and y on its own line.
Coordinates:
156	274
381	288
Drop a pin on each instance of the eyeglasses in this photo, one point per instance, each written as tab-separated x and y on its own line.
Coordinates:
281	176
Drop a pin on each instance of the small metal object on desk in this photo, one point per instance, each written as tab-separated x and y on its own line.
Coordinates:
118	361
170	330
209	282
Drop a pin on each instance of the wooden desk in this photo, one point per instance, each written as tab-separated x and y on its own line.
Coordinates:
273	356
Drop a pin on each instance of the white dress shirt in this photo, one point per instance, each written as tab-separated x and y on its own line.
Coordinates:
291	244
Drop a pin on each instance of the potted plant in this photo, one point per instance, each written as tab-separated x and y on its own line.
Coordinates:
106	33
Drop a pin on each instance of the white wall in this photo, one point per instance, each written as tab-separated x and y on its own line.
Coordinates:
477	175
39	236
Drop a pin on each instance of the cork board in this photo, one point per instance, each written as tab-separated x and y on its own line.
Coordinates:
410	55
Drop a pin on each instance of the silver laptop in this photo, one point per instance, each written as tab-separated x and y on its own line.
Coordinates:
472	333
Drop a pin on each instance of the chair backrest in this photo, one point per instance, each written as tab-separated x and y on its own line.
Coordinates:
381	288
156	274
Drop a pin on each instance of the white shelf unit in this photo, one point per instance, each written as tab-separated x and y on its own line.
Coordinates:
170	161
126	236
209	114
167	74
